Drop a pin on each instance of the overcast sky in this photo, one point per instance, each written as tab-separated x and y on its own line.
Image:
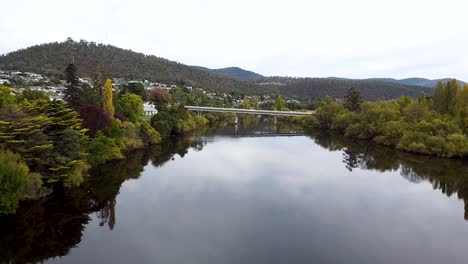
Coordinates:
346	38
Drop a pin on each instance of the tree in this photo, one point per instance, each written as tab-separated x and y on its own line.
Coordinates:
102	149
73	92
6	96
131	105
94	118
246	103
353	100
279	103
34	95
160	98
135	88
256	104
107	103
48	136
16	182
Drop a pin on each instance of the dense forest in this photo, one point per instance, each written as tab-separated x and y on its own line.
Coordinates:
89	57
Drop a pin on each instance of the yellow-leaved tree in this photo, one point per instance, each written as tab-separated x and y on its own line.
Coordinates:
107	104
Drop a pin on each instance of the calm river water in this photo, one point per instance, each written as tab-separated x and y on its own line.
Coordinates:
252	196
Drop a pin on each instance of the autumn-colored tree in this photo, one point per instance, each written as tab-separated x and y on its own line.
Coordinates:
256	104
160	98
94	118
246	103
107	103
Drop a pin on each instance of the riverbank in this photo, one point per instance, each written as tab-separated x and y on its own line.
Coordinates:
411	125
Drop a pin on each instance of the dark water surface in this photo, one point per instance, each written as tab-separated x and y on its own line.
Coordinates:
250	196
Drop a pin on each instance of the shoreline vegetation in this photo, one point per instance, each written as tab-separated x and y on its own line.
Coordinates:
430	125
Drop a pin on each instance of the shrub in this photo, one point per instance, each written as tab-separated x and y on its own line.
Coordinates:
16	182
102	148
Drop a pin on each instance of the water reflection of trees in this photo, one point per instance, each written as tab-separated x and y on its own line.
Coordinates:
450	176
49	227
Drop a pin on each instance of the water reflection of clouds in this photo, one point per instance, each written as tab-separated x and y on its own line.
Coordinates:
279	200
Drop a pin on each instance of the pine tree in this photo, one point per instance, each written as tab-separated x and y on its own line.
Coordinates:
49	137
107	103
73	92
353	100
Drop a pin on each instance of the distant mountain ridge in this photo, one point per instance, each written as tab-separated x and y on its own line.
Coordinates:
429	83
417	81
90	58
235	73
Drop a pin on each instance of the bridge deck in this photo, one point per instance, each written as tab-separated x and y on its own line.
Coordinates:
247	111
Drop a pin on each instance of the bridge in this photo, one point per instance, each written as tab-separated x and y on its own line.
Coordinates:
246	111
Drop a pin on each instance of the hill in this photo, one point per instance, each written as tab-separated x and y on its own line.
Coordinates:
416	81
52	58
235	73
337	88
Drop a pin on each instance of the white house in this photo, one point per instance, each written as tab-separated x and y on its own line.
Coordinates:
149	109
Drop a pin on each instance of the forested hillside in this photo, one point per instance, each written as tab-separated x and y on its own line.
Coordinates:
337	88
89	57
417	81
235	72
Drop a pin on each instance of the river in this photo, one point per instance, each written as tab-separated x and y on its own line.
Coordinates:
255	194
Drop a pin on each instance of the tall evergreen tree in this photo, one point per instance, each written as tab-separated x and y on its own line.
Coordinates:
353	100
73	92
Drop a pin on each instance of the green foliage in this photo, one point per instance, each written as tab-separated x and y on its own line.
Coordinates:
148	134
73	92
34	95
6	96
279	106
16	182
176	121
48	136
326	114
353	100
135	88
131	106
422	126
102	148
